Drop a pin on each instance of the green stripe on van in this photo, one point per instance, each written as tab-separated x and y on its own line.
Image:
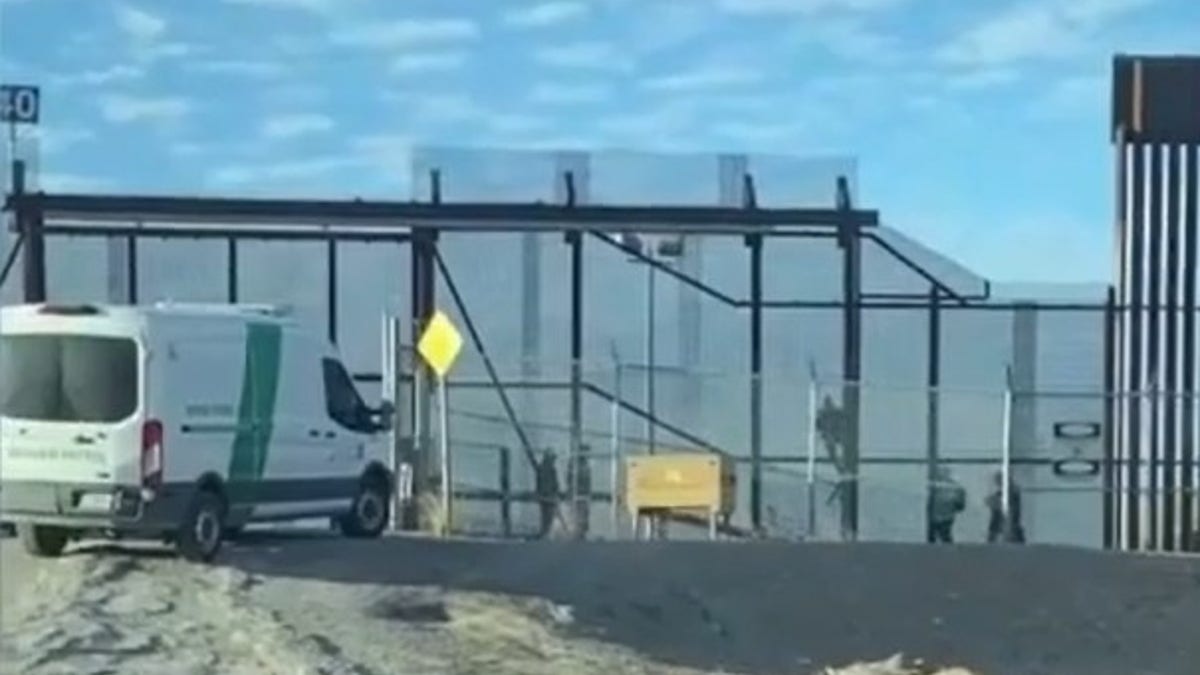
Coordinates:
256	408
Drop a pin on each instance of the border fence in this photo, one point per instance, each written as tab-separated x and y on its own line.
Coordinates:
696	315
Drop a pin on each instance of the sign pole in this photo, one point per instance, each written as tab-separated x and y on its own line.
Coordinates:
444	442
439	346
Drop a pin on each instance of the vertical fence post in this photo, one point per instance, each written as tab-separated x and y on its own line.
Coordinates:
933	381
506	491
1006	455
755	242
812	451
614	480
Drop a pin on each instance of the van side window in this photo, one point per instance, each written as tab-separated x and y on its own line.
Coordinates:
342	402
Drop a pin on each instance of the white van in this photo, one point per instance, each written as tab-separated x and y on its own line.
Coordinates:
180	421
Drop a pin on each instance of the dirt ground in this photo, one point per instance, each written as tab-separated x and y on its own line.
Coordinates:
313	603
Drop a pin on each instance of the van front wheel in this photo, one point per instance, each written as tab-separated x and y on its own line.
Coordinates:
43	541
203	528
368	514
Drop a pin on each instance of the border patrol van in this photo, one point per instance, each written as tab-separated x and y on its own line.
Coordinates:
179	421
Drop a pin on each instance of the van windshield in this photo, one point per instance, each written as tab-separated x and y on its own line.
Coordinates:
68	378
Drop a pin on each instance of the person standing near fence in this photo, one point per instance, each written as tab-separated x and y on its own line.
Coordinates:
947	499
1000	529
832	425
547	489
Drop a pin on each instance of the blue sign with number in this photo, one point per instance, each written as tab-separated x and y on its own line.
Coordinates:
19	104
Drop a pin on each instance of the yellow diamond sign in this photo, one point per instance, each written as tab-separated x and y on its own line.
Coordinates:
440	344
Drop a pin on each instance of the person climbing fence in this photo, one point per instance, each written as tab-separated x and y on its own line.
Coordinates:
833	426
548	493
1001	528
947	499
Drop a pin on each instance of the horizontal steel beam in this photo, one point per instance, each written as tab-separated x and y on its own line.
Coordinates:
218	232
474	216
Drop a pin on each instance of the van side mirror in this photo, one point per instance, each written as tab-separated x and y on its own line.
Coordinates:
387	415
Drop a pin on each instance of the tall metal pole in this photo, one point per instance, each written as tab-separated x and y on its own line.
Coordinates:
651	368
811	468
231	270
447	466
1110	403
33	252
851	244
1135	380
131	270
755	243
1154	350
1191	222
933	381
614	447
1118	404
1170	534
331	294
1006	457
579	490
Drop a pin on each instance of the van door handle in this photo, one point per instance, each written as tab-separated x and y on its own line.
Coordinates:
84	440
313	433
330	434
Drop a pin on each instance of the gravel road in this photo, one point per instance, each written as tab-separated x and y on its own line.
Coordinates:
316	604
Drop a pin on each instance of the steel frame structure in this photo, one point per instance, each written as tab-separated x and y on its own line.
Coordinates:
1156	139
130	217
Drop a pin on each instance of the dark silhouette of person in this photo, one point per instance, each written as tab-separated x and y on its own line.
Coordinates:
947	499
1000	529
547	489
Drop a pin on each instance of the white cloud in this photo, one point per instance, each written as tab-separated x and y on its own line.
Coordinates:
545	14
1100	10
390	154
851	40
640	126
703	79
408	32
72	182
164	50
382	155
294	94
123	108
186	148
591	55
290	170
139	24
283	127
1019	33
436	107
510	123
52	140
664	25
1033	30
109	75
557	93
756	7
315	6
750	133
1071	97
424	62
983	78
240	67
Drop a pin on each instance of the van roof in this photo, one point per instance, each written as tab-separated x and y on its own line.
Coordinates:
257	312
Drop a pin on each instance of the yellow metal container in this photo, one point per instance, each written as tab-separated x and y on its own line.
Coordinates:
703	482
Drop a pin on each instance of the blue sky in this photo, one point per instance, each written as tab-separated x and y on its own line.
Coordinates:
979	128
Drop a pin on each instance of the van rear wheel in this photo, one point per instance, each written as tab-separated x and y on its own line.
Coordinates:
368	514
203	528
43	541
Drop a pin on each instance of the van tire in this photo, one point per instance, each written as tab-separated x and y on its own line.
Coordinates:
43	541
369	512
203	528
